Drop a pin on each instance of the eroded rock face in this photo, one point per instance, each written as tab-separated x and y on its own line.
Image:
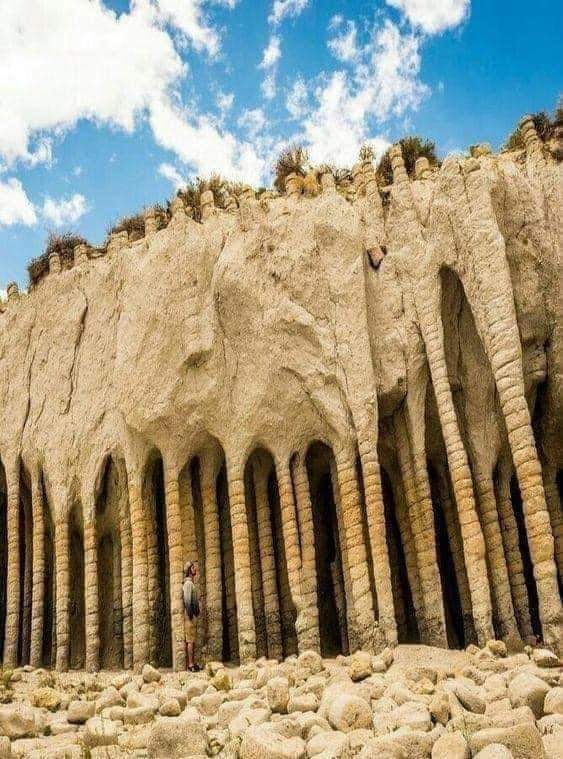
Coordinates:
350	414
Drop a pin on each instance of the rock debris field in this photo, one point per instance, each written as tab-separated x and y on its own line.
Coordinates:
408	702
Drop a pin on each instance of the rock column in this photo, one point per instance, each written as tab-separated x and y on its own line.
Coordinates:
13	570
174	533
91	590
38	593
213	575
140	571
241	558
62	593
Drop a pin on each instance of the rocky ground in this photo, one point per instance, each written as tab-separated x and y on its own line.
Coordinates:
414	701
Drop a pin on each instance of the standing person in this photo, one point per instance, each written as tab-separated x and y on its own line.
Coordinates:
191	612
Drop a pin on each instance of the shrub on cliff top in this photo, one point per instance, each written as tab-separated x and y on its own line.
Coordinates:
64	245
413	147
133	225
543	124
292	160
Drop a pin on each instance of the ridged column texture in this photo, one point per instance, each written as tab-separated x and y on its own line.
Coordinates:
241	558
27	580
409	551
433	629
555	514
62	624
308	635
340	571
356	555
473	540
502	345
512	550
375	514
127	582
38	594
213	578
13	569
503	610
267	562
91	591
140	573
174	533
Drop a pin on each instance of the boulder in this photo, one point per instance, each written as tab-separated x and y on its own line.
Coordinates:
553	703
451	746
264	742
311	662
528	690
277	691
494	751
302	702
360	666
497	647
553	746
46	698
248	718
99	732
80	712
195	687
347	712
17	721
329	744
150	674
524	741
440	707
469	695
222	680
175	738
138	715
543	657
170	708
109	697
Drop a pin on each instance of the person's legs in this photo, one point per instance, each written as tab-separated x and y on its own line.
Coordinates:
190	648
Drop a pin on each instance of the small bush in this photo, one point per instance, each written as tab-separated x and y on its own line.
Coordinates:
64	245
133	225
293	160
413	148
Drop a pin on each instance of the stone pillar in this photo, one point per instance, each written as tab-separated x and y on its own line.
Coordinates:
177	208
356	555
375	514
62	593
231	205
38	593
91	589
140	571
213	576
293	185
421	167
359	180
150	223
117	241
55	263
81	255
503	611
207	204
176	568
267	562
13	292
126	580
241	557
328	185
307	623
13	599
433	630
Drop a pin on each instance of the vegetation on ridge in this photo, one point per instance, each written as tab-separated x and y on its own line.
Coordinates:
64	245
413	147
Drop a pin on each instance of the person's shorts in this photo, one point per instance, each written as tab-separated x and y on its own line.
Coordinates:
190	628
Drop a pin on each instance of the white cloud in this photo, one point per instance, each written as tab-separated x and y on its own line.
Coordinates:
286	8
64	211
384	82
172	174
189	18
205	149
297	99
253	121
433	16
272	53
345	46
15	206
225	101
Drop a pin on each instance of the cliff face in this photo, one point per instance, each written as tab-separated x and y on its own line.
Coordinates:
350	413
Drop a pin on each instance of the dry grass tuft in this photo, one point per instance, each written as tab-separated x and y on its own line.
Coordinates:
413	147
64	245
292	160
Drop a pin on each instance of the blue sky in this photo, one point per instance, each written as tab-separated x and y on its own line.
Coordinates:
108	105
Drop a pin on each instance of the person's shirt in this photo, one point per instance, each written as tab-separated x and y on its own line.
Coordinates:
191	599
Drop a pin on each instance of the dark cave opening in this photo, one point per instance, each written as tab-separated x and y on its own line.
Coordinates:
407	627
328	555
517	507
